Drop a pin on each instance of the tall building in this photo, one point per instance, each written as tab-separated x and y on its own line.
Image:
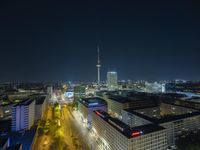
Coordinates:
112	80
98	70
50	91
23	115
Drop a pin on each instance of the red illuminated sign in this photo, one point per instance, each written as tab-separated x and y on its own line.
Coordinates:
135	133
98	113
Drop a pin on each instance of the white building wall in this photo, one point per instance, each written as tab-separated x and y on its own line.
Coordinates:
40	109
133	120
87	112
23	116
31	115
38	112
111	139
112	80
175	128
15	116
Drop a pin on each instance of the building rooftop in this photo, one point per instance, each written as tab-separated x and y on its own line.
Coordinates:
5	126
139	97
14	147
119	99
4	105
167	118
25	138
25	102
40	100
93	102
125	129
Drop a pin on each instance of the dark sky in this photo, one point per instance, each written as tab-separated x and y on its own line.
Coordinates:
57	40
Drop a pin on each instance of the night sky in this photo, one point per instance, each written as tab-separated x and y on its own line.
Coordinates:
57	40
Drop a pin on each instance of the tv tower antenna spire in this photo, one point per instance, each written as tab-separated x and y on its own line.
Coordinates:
98	68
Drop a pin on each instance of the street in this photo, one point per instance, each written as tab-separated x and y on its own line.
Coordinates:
43	141
72	132
87	134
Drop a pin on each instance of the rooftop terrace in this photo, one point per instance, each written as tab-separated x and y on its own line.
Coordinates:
25	102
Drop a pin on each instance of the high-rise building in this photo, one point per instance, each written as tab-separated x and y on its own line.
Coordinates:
112	80
23	115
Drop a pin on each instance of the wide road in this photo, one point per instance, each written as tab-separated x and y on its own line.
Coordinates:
87	135
76	136
72	132
42	142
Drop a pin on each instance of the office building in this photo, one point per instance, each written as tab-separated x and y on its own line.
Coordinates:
117	103
40	106
88	105
113	134
176	119
193	102
23	115
112	81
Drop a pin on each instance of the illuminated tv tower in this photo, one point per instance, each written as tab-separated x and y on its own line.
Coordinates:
98	69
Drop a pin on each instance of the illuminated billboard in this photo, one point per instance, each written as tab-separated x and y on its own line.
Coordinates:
69	94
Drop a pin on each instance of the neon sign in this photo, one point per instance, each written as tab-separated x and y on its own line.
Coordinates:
136	133
93	104
99	114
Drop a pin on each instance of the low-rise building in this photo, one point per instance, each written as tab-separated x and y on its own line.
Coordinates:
176	119
117	103
5	110
88	105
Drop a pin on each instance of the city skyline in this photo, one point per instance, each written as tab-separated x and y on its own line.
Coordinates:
141	40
